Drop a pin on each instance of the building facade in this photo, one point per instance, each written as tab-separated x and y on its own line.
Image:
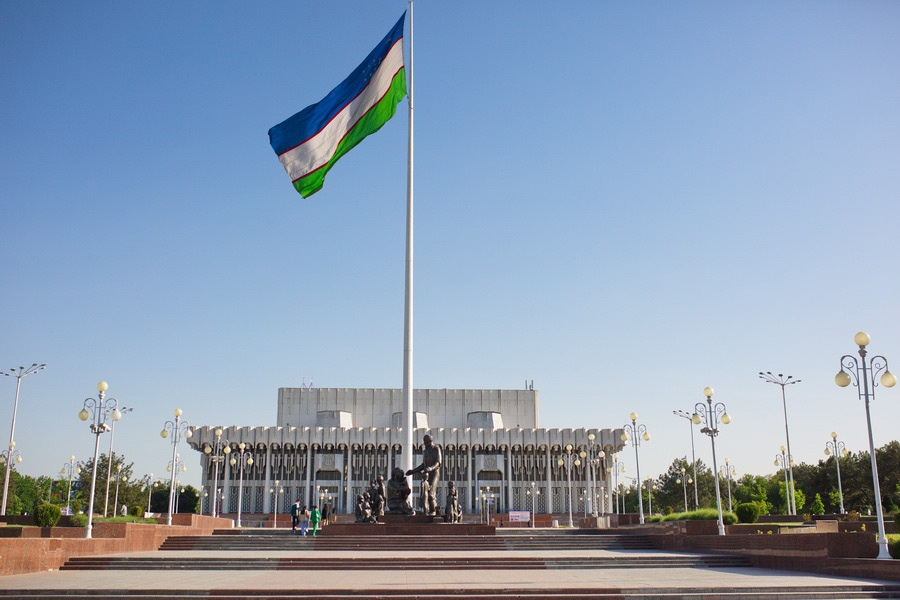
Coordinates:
329	443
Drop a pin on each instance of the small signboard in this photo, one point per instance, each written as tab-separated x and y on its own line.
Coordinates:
519	516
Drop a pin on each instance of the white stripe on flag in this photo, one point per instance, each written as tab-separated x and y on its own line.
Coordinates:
319	149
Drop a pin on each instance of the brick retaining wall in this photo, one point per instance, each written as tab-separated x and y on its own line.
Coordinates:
29	555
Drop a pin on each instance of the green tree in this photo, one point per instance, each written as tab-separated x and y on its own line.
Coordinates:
817	507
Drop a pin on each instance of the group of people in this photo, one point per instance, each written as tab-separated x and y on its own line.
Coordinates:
307	519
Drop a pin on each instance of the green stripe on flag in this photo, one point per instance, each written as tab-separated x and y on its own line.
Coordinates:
373	120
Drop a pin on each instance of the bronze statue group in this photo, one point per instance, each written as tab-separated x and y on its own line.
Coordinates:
393	499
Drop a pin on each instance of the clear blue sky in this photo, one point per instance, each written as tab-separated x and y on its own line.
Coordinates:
624	202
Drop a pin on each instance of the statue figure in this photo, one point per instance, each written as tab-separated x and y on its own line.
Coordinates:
382	496
453	512
398	494
431	470
363	513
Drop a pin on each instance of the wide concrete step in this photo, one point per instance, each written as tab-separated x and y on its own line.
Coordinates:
656	593
411	542
88	563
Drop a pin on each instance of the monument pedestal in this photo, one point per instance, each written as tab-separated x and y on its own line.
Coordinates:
407	528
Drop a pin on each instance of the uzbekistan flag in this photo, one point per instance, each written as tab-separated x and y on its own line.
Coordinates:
309	143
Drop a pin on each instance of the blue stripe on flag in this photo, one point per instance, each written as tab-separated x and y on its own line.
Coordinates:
310	121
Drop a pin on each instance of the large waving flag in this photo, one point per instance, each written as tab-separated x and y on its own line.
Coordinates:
310	142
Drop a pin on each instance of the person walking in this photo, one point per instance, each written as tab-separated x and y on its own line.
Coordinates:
295	516
314	517
326	513
303	516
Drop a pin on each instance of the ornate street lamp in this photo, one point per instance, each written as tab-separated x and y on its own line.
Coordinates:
243	458
11	457
568	460
711	415
19	374
781	460
102	411
684	481
533	492
728	472
177	429
219	445
118	479
618	467
150	485
684	415
636	433
839	449
275	491
782	381
596	461
71	469
865	374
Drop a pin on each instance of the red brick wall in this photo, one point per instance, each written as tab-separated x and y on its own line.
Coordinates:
29	555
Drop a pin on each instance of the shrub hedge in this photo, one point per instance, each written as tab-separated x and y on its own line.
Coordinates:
703	514
748	512
47	515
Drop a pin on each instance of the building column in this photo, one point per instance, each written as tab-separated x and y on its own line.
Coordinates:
509	479
309	470
469	468
549	490
226	481
267	501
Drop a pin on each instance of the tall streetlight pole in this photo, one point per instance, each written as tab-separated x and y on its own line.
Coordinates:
568	460
533	493
102	411
109	462
782	381
177	429
865	374
219	445
684	415
596	461
636	433
839	449
243	458
150	485
275	490
118	479
19	374
71	469
684	481
711	415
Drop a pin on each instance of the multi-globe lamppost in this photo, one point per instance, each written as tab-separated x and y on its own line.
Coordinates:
568	460
636	433
10	458
782	381
71	469
728	472
618	467
839	449
177	429
596	461
243	458
112	434
19	374
212	452
782	460
711	415
275	491
102	411
684	481
863	378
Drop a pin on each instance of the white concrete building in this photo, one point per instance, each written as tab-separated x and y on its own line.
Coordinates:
335	440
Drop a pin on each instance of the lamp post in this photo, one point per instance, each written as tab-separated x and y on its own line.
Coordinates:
596	461
636	433
118	479
177	429
11	457
19	374
150	485
568	460
219	445
839	449
865	374
782	381
684	482
109	461
101	411
782	461
711	415
618	467
243	458
275	491
533	493
71	469
684	415
650	487
728	472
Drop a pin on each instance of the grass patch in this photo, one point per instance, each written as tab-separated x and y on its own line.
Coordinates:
704	514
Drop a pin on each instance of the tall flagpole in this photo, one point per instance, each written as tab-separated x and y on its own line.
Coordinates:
407	454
